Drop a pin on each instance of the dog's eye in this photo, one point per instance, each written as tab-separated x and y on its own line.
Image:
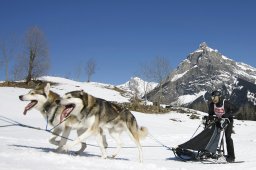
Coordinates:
32	93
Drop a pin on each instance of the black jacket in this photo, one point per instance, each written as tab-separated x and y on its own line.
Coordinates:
228	107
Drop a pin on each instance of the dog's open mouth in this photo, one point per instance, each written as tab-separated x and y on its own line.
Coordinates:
29	106
66	112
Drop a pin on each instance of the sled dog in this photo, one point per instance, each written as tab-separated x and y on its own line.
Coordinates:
44	100
97	113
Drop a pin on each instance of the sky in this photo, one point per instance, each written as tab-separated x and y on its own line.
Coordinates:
121	35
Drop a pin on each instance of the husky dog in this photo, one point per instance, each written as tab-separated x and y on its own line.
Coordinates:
44	101
98	113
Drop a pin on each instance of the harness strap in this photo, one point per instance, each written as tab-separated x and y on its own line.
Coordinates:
46	111
46	127
60	123
53	116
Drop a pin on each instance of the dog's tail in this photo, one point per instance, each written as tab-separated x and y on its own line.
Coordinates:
143	132
136	131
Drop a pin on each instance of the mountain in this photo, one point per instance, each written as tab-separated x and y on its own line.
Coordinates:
203	71
137	86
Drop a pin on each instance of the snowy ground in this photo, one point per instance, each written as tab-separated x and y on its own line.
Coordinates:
25	149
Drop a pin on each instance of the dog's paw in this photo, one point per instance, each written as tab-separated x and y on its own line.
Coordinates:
105	145
104	157
113	156
54	142
62	149
65	148
110	157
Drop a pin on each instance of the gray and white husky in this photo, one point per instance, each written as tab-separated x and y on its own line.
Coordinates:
100	114
44	100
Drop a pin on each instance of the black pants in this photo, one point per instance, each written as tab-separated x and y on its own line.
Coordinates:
229	140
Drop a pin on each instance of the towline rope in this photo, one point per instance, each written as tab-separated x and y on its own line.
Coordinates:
16	123
160	143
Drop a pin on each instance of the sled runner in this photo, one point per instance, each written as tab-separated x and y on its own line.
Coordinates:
221	162
208	144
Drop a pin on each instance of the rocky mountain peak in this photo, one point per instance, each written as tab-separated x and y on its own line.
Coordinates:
202	61
137	86
203	45
203	71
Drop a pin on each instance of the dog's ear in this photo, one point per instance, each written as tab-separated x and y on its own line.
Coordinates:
91	101
88	100
81	93
39	85
47	89
84	97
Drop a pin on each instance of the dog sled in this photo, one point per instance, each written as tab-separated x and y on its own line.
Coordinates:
208	145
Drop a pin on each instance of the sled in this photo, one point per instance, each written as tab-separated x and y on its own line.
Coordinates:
208	144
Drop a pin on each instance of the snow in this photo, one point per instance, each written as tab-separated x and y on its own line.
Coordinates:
224	76
28	149
243	69
244	66
225	58
197	51
200	50
251	97
104	91
139	85
185	99
243	73
178	76
211	50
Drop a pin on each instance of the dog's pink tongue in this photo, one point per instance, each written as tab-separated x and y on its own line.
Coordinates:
25	111
29	106
64	114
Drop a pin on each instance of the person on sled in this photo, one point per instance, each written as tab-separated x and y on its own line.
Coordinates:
222	108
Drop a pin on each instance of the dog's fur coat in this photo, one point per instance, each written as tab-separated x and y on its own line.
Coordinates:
100	114
44	100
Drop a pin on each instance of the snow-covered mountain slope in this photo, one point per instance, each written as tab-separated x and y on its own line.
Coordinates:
104	91
205	70
28	149
137	86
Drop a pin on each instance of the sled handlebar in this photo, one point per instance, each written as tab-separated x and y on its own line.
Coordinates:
221	122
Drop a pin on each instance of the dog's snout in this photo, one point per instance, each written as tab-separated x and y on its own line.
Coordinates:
57	101
20	97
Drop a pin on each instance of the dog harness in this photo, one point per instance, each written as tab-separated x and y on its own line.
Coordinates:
219	111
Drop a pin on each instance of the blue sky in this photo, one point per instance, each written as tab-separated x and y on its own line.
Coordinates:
122	34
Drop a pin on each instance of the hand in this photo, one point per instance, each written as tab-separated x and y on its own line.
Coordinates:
224	123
